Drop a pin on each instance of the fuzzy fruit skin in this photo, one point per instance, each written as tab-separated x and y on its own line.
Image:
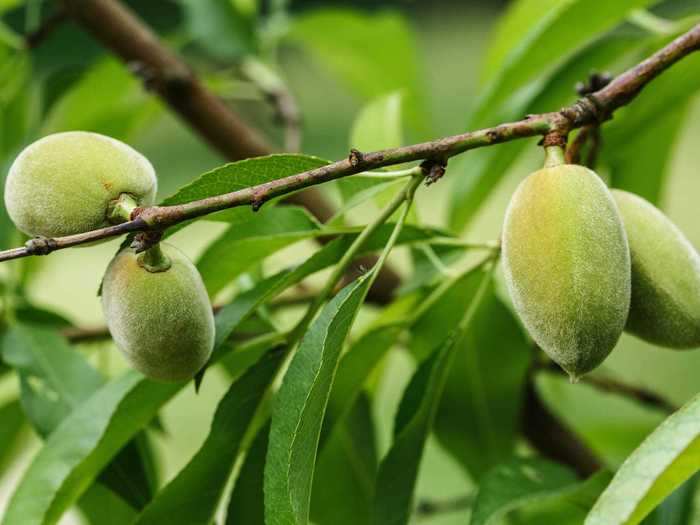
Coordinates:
161	321
567	265
63	183
665	307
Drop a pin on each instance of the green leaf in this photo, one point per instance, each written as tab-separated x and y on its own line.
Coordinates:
297	413
374	53
54	379
11	429
101	505
677	508
666	458
82	445
393	499
128	110
246	504
567	506
243	174
344	478
355	366
222	27
482	170
518	482
209	469
536	35
478	417
377	126
638	161
240	175
246	244
244	304
578	407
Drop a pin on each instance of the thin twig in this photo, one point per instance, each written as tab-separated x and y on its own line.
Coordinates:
589	110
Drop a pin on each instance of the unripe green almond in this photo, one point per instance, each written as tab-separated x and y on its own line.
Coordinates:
161	320
567	265
665	307
64	183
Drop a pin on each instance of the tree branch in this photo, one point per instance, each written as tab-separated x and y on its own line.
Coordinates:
164	73
591	109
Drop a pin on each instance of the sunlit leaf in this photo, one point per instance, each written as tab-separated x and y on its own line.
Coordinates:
353	51
209	469
666	458
298	408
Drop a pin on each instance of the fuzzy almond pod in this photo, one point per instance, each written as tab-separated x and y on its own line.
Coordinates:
665	308
158	312
567	264
68	183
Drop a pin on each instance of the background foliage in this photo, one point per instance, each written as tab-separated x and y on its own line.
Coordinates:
84	438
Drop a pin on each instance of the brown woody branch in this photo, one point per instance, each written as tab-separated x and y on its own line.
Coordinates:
591	109
164	73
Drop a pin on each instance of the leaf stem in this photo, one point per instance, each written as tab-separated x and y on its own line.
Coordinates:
404	196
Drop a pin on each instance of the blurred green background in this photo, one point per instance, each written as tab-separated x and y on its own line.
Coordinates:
440	47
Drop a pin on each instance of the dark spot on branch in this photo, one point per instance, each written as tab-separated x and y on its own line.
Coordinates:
433	169
595	82
145	240
40	245
356	157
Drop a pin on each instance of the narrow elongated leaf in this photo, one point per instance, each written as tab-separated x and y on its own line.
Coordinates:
247	499
393	499
299	406
243	174
516	483
523	49
54	379
478	417
484	168
354	368
244	304
237	176
13	423
677	508
669	456
344	479
567	506
82	445
249	243
209	469
638	161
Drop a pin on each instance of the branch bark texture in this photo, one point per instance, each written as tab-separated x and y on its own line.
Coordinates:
592	109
